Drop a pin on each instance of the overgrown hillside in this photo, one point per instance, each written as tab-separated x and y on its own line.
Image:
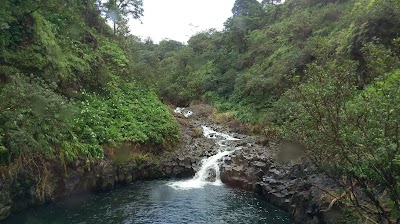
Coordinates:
67	88
265	50
325	74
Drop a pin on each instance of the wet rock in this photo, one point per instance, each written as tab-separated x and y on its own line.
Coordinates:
259	164
275	172
4	211
168	170
72	181
211	175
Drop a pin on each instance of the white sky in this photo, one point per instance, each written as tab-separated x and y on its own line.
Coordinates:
180	19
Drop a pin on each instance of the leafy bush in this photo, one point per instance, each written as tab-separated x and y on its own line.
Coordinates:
36	120
352	135
128	113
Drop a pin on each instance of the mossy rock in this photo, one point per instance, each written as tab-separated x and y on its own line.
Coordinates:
197	132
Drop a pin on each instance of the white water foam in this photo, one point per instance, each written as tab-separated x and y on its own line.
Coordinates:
209	133
184	111
209	166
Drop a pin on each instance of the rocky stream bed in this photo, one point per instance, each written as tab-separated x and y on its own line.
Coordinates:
290	183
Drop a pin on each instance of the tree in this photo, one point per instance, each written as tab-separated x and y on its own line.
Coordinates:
117	11
271	2
352	136
247	16
246	7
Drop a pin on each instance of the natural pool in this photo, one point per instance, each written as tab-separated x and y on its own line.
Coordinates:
156	202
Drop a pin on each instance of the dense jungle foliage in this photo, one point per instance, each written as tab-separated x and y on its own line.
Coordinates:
67	87
325	73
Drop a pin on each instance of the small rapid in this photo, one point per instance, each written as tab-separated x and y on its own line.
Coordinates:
209	172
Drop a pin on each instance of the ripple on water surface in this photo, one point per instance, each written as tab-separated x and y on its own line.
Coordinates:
156	202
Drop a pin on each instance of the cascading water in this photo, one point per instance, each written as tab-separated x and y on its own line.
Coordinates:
209	172
183	111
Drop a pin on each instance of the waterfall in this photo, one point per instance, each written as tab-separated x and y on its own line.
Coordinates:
209	172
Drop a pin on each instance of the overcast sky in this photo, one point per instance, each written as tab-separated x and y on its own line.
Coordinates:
179	19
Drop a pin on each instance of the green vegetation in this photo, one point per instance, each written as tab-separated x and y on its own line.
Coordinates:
68	88
323	73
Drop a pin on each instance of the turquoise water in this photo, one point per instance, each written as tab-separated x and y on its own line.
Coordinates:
155	202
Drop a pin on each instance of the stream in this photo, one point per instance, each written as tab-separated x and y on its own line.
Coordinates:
202	199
